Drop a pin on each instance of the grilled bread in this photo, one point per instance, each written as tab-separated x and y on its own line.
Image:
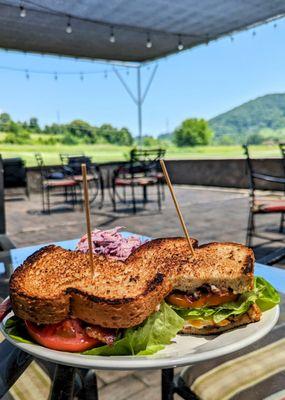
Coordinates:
54	284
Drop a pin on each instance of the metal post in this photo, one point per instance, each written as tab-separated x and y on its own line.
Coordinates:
139	103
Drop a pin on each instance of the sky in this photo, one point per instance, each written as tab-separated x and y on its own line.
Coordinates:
202	82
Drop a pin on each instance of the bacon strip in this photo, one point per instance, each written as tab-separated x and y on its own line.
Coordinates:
5	308
105	335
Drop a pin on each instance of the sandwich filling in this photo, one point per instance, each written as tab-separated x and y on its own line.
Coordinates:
210	307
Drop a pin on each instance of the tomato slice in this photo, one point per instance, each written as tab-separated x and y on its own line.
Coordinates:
68	335
210	299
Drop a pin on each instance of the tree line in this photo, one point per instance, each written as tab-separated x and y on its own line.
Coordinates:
191	132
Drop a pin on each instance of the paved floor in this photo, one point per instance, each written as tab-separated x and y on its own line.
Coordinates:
211	215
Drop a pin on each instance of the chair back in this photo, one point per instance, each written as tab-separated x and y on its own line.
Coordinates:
250	169
282	149
145	161
15	174
73	162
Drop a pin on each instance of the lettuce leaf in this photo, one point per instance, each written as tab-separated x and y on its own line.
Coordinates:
150	337
15	328
147	339
263	294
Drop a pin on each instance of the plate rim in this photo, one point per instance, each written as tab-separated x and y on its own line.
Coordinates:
139	363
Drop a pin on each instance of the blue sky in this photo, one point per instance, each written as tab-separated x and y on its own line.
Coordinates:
201	82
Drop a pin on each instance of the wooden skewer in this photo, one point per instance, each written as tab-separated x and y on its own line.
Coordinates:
87	216
169	184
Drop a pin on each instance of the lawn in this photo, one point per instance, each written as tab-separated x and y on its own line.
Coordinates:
106	152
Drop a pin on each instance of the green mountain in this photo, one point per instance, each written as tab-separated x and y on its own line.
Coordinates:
266	113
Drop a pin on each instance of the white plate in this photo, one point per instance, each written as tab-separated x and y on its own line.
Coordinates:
184	350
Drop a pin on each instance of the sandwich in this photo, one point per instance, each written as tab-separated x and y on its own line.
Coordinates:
136	306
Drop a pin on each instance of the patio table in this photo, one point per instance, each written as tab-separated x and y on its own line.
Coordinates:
14	361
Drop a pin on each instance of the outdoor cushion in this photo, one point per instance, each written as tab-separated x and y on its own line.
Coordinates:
254	373
135	181
59	183
274	206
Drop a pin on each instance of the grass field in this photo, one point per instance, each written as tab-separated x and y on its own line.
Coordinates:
105	152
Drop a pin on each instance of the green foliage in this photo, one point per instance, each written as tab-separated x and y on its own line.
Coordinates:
19	137
149	141
241	123
5	120
192	132
34	125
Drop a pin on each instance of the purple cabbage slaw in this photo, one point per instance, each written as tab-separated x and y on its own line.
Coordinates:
111	243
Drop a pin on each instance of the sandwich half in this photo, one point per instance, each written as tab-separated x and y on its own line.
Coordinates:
215	292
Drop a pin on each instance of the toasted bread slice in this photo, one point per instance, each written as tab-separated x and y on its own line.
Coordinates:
252	315
54	284
225	265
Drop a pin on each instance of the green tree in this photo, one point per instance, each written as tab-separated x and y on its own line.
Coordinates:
5	120
192	132
80	129
34	125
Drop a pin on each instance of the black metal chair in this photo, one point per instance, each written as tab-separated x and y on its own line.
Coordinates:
72	166
15	174
282	149
55	181
266	204
142	171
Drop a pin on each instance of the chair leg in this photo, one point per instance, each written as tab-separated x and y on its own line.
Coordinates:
158	196
134	199
48	200
114	198
250	228
282	220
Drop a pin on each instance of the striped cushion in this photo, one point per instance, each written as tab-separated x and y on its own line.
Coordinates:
33	384
253	373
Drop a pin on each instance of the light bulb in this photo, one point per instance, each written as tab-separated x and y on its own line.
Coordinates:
180	45
68	28
23	12
148	42
253	33
112	36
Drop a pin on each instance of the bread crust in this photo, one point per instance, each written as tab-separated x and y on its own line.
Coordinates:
54	284
252	315
114	311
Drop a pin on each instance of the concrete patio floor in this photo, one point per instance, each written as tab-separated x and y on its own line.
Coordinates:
211	214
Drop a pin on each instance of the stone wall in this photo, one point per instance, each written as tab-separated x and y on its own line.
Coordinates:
216	172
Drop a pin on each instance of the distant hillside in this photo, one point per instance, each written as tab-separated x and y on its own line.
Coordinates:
266	112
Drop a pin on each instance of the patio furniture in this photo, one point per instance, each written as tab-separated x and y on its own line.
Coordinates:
265	204
69	382
141	171
56	182
72	166
15	174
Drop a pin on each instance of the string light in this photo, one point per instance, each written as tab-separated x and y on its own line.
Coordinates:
23	11
275	25
148	42
112	35
27	74
180	45
81	76
55	76
253	33
68	28
232	39
105	74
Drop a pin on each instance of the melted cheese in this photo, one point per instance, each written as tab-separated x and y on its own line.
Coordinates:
199	324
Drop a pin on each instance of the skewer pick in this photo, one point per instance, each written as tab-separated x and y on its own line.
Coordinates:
180	216
87	216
